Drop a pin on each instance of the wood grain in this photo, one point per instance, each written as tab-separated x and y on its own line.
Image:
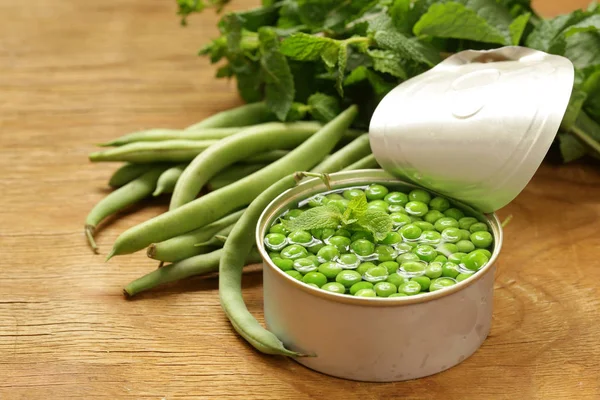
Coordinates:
74	73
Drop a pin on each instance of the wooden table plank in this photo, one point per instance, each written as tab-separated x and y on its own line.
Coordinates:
75	73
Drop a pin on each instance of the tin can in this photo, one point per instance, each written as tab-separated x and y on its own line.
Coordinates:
375	339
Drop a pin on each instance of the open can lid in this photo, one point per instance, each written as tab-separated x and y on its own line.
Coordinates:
475	127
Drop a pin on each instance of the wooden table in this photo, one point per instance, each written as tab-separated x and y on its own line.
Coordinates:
74	73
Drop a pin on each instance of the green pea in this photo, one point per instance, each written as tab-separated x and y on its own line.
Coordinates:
466	222
343	232
378	205
416	208
478	227
364	267
424	281
342	243
274	254
386	253
392	238
464	234
454	213
377	273
424	225
450	270
385	289
400	219
315	277
419	195
275	241
314	249
334	287
441	283
376	192
348	261
425	252
415	219
362	247
294	274
444	223
366	293
475	261
432	216
439	204
462	276
481	239
410	288
434	270
451	235
456	257
330	269
328	253
305	265
393	208
278	228
348	277
341	204
440	258
314	258
300	237
483	251
465	246
407	257
410	232
322	233
362	235
335	196
397	295
283	264
293	214
294	252
404	247
396	279
447	249
359	286
430	237
396	198
391	266
352	193
318	200
313	285
413	268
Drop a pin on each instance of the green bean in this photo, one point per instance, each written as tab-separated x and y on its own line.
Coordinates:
215	205
157	135
121	198
268	157
218	239
149	152
168	179
347	155
256	139
127	173
245	115
364	163
232	175
199	265
183	246
237	247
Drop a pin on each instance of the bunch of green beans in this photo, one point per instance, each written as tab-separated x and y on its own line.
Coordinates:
219	175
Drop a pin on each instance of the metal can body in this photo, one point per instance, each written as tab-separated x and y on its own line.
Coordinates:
375	339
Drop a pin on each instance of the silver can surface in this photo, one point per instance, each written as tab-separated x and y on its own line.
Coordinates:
375	339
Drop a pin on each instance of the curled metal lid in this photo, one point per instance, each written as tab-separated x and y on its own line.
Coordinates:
475	127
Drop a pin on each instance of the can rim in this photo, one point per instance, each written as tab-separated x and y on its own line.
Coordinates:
347	178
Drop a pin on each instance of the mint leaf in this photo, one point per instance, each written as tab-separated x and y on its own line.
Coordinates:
323	108
249	83
231	26
573	109
517	27
388	62
357	207
330	56
548	30
456	20
571	149
357	75
406	13
304	47
583	49
408	48
327	216
592	87
279	88
255	18
342	59
377	222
